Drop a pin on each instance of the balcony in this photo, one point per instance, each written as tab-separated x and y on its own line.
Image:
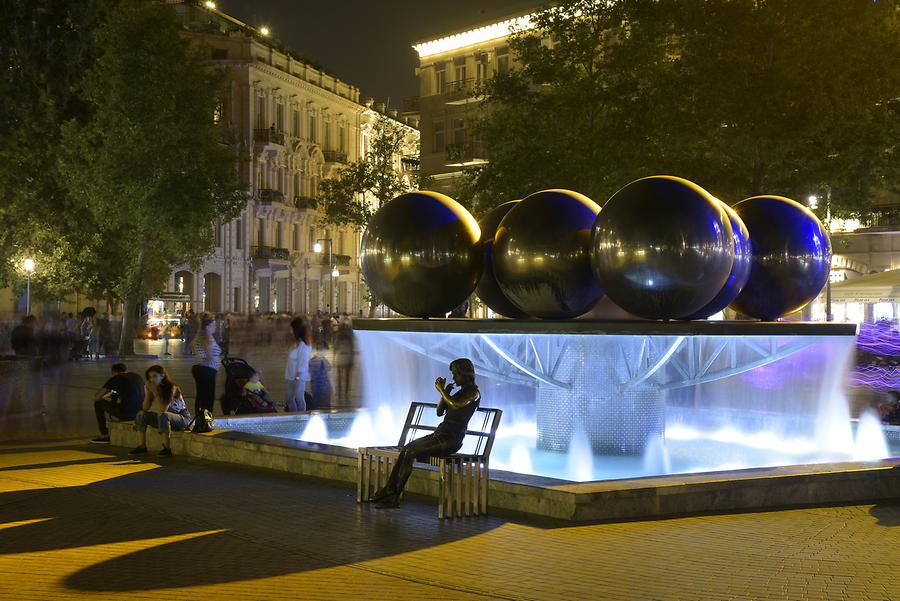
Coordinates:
410	162
267	196
338	260
461	91
270	252
335	156
306	202
465	155
268	135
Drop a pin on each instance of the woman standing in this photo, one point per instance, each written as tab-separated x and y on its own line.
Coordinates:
163	408
296	372
207	359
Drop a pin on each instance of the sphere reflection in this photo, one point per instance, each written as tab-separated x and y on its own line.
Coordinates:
541	255
488	289
662	248
420	254
791	257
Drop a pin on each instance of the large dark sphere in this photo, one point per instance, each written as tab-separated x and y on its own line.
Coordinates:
420	254
791	257
488	289
662	248
541	255
740	271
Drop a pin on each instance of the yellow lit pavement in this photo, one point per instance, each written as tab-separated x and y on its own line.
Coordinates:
86	521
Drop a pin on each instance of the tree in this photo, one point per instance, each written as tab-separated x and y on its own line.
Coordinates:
362	187
148	165
45	49
742	96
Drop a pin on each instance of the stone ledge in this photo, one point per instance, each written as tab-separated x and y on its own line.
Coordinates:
744	490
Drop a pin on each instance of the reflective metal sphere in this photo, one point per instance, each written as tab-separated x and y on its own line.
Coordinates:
791	257
541	258
740	271
662	248
488	289
420	254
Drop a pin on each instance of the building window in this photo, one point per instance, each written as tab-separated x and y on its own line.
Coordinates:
342	137
239	234
481	68
295	126
261	112
218	233
459	132
298	184
327	127
460	73
219	54
296	236
312	239
311	130
502	60
279	234
261	231
440	79
279	117
439	136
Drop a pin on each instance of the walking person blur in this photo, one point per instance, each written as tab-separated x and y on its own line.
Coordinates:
164	408
207	360
121	397
320	379
296	371
344	356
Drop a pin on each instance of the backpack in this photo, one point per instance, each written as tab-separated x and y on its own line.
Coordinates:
203	422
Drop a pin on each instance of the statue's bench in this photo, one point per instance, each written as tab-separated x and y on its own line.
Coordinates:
464	475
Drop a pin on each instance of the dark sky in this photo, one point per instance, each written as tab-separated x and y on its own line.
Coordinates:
368	43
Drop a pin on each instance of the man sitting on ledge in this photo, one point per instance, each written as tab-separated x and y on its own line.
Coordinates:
446	439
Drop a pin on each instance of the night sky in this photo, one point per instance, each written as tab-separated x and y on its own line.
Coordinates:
368	43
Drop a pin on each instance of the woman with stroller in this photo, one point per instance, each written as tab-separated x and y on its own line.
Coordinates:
296	371
207	360
164	408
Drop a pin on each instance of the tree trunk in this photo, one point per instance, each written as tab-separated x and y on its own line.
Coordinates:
126	338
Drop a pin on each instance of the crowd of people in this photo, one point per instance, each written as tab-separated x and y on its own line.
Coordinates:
59	338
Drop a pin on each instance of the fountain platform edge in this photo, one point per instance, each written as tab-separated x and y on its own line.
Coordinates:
638	498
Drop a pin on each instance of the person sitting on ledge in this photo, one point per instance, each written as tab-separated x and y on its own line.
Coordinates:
447	438
890	411
164	408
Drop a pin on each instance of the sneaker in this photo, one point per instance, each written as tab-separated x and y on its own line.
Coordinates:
100	440
166	451
138	450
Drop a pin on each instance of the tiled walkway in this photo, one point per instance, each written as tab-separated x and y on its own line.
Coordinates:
84	521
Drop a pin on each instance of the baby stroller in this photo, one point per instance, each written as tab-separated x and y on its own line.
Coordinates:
237	373
237	400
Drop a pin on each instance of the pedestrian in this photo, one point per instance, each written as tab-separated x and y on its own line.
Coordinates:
320	379
164	408
207	360
121	397
296	370
344	356
890	410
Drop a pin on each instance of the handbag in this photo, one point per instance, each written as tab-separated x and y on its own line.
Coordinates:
203	422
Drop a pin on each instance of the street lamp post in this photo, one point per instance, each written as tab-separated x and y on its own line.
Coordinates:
28	264
317	247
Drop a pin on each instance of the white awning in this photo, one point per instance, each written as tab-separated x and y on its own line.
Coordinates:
881	287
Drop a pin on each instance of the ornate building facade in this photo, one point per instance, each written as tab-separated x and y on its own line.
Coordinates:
294	126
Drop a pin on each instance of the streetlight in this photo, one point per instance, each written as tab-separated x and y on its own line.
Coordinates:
28	264
317	247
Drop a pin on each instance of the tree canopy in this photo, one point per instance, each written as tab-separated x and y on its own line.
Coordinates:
360	188
148	165
743	97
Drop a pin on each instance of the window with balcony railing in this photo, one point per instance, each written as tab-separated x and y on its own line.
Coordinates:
268	135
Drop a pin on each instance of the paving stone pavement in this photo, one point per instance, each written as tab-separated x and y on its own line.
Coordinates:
88	521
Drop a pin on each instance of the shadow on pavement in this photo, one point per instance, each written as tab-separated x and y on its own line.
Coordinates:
236	524
887	514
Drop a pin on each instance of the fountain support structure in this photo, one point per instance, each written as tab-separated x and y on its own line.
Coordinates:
614	380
